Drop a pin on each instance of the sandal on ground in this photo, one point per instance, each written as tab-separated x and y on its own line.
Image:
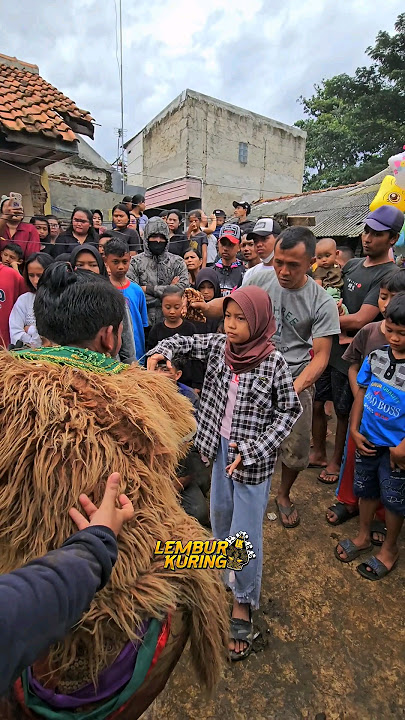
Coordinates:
241	630
377	526
287	511
342	513
351	550
317	465
324	478
377	569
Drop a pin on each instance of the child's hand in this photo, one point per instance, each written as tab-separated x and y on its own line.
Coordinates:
340	307
397	458
364	446
237	463
153	360
107	514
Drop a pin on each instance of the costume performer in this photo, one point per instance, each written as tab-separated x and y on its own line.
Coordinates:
71	414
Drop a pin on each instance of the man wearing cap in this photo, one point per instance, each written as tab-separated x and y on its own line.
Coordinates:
242	210
220	217
264	236
362	278
229	268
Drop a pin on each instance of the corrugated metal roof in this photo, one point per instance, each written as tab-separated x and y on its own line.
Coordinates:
338	212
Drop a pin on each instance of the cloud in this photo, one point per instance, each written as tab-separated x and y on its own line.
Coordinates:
259	55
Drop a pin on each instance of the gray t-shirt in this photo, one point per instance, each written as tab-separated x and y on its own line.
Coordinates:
301	316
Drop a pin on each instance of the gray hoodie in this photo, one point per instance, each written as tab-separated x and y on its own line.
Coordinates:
156	272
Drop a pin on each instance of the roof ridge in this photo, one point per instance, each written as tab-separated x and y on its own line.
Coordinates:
310	192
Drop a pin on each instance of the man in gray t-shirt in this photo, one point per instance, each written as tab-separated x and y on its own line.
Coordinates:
307	318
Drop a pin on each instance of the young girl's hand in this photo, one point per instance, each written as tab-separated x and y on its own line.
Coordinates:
237	463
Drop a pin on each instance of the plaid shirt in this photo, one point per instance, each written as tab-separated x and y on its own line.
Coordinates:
266	406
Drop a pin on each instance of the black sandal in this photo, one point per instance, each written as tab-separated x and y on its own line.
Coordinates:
342	513
377	526
242	630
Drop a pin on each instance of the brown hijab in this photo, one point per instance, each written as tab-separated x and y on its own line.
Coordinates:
257	309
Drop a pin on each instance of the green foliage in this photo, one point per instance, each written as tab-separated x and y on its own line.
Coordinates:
355	123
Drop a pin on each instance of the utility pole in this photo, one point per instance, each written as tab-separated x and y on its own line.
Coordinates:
122	105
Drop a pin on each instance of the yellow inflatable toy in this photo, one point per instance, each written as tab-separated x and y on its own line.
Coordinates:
389	193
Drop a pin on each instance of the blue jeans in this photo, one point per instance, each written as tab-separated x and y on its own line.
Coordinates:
238	507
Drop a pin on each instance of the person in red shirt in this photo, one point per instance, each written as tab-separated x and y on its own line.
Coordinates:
12	228
12	285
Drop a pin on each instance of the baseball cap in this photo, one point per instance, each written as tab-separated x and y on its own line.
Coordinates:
219	213
386	217
264	227
241	203
230	231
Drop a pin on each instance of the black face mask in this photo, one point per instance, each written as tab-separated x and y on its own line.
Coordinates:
156	248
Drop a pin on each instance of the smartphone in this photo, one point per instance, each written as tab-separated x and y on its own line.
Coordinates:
16	200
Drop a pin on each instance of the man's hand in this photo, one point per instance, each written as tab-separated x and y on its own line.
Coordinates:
339	306
397	457
143	287
107	514
212	309
153	360
364	446
11	214
237	463
175	280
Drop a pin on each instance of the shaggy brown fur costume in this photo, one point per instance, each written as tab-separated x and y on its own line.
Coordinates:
63	432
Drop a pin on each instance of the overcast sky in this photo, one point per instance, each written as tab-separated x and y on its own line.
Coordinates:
258	54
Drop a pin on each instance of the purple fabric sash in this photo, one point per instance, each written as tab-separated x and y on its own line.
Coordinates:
110	680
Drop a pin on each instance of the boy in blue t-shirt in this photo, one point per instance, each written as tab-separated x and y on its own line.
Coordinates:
117	259
377	426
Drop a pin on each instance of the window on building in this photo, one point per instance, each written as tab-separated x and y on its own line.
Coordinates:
243	153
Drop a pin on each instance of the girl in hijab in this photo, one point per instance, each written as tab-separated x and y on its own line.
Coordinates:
248	406
88	258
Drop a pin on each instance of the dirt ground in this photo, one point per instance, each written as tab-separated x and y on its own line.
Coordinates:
334	643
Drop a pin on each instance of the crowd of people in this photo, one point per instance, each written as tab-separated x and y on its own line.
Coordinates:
279	330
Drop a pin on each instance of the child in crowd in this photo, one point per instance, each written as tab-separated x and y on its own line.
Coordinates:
230	270
86	257
175	324
12	255
192	474
377	426
193	261
328	273
248	406
208	284
22	318
369	338
198	239
117	258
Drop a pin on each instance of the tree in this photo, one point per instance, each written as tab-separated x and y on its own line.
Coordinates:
355	123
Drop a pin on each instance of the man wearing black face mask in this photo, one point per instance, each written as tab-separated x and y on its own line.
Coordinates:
156	268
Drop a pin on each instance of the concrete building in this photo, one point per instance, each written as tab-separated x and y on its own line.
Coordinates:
200	150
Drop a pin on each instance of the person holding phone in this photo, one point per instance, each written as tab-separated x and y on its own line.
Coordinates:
13	228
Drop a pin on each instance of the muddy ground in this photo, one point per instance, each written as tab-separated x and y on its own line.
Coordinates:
334	642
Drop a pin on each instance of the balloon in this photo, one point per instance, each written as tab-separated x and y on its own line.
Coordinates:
389	193
397	165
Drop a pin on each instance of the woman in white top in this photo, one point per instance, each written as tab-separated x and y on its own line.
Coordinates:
22	319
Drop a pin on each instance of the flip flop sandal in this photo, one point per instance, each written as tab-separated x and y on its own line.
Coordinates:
342	513
242	630
322	478
351	550
285	510
377	526
378	569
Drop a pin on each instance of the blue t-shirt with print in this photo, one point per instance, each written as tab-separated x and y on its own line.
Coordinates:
383	421
136	301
